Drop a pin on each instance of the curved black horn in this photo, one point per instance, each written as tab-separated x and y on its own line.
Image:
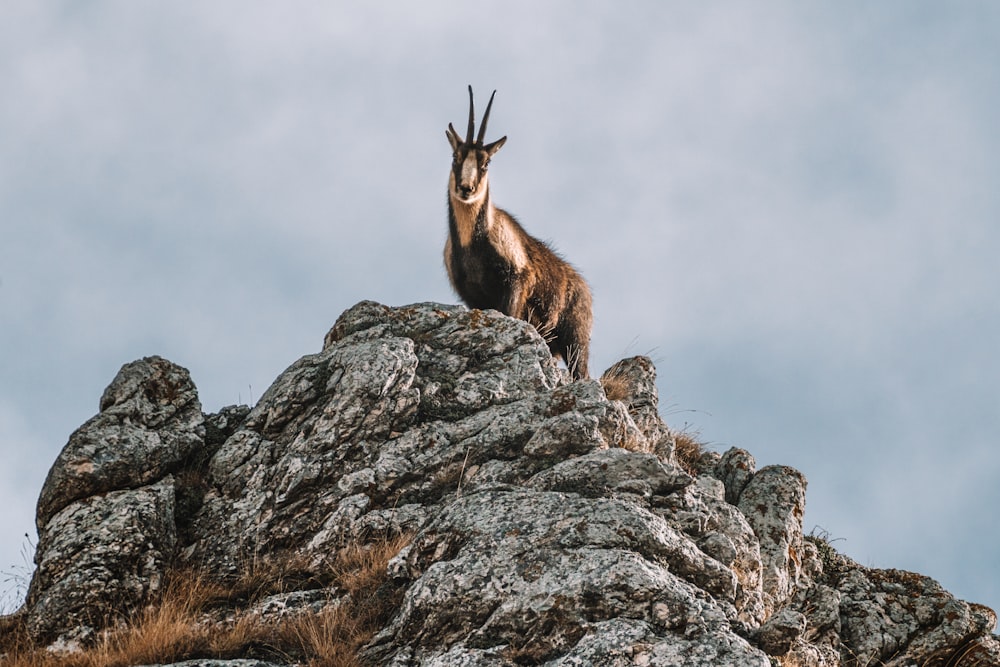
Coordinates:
472	118
486	117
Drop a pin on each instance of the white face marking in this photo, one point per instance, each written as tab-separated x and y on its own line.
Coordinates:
470	169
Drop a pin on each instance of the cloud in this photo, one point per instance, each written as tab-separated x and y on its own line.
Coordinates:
791	208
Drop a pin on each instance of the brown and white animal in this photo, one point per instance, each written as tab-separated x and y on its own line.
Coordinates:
493	262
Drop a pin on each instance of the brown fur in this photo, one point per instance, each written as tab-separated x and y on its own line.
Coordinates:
492	262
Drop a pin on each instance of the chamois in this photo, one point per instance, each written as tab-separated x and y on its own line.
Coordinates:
492	262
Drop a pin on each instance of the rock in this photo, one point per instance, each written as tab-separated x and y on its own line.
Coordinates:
150	421
735	470
534	571
469	359
610	471
100	558
901	618
624	642
349	431
774	501
222	424
633	382
723	533
548	521
617	643
977	652
781	630
806	654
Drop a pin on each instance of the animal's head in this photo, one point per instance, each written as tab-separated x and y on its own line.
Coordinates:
470	159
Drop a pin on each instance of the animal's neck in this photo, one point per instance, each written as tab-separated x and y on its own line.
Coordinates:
469	214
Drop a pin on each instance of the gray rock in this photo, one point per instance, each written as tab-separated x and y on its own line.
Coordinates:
609	471
901	618
635	378
774	501
222	424
723	533
470	359
304	448
615	643
550	521
781	630
150	421
534	570
977	652
806	654
348	432
99	558
735	469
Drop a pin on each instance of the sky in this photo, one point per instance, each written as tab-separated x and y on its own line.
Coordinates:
793	208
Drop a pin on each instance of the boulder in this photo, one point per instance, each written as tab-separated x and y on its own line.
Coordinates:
548	521
149	423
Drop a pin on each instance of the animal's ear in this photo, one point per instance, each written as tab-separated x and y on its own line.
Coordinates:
452	137
491	149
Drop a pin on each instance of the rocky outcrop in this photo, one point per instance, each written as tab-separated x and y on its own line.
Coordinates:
550	523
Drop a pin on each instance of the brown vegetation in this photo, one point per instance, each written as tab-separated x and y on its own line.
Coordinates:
181	625
688	450
688	447
616	385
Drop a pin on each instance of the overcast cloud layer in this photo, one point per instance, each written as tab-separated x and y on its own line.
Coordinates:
793	209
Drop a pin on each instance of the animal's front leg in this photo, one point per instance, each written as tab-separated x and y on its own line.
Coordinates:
517	296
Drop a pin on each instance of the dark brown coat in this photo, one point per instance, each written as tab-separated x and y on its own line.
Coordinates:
493	262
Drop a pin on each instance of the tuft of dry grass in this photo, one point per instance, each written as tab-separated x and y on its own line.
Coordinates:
175	626
166	631
616	385
330	638
688	450
16	581
261	576
333	637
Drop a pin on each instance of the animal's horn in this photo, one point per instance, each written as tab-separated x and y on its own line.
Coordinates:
472	118
486	117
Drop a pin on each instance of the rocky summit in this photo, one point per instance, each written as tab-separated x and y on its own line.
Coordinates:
535	520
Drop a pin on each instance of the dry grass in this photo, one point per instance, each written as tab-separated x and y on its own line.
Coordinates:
260	576
333	637
619	387
15	581
616	385
688	447
174	628
688	450
160	633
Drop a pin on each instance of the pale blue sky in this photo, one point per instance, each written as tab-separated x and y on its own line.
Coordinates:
793	209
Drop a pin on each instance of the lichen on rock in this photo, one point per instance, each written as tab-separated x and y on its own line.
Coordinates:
550	520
